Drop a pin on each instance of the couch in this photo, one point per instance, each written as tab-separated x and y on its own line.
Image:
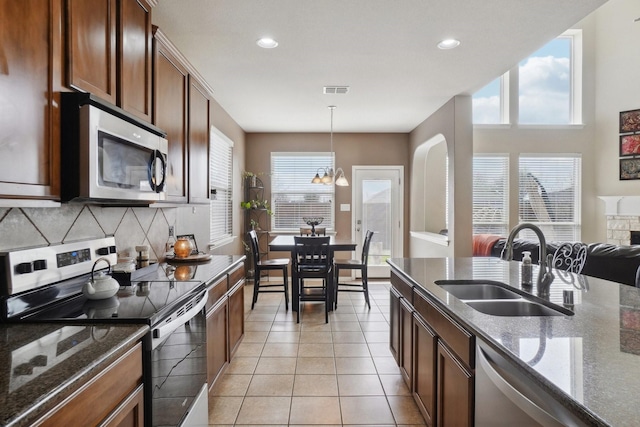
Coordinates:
606	261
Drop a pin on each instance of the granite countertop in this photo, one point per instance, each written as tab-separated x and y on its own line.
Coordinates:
588	361
43	364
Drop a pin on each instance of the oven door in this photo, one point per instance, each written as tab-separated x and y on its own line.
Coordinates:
179	369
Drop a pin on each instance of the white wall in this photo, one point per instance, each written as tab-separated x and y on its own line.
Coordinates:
581	139
617	88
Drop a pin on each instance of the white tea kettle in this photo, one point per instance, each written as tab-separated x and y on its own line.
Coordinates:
101	285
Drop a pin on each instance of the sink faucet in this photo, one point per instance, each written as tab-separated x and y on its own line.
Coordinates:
545	276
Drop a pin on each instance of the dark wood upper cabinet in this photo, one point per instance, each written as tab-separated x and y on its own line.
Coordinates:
134	58
109	45
198	142
170	109
30	81
91	47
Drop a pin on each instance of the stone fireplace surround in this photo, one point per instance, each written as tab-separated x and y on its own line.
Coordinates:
623	218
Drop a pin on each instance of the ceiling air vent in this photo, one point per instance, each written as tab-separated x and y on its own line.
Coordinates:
335	90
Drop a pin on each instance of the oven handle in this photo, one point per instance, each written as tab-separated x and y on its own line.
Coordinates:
174	324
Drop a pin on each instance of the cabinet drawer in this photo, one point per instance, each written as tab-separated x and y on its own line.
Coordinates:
457	338
236	275
93	402
216	291
403	287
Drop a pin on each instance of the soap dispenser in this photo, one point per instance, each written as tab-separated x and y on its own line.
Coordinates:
526	269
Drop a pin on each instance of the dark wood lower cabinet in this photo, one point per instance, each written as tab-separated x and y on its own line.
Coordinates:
114	397
435	355
236	316
217	340
425	345
455	391
394	333
406	341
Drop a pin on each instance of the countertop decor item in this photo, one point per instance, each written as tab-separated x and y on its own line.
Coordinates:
313	221
182	247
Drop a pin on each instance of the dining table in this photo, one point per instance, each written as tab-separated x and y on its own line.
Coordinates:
286	243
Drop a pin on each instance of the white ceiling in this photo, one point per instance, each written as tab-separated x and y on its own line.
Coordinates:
385	50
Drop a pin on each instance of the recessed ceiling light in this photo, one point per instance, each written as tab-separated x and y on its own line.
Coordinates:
267	43
448	44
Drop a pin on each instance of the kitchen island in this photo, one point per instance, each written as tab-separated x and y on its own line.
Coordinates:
588	361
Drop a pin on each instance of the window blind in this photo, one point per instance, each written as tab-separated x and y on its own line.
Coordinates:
549	195
220	172
294	196
491	194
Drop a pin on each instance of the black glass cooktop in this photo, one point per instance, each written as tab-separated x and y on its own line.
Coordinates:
141	302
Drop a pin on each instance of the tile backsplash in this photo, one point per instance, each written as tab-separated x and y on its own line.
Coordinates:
29	227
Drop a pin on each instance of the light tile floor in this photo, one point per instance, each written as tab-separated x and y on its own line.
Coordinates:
314	373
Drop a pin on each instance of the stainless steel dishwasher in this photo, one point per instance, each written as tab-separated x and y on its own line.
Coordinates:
505	397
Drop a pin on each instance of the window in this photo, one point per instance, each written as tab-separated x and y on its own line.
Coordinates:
294	196
491	194
549	87
545	84
220	172
491	103
549	195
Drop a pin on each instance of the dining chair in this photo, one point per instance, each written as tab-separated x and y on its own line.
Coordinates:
312	260
353	264
267	265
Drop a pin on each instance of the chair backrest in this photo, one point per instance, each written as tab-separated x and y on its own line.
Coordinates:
311	252
255	247
365	247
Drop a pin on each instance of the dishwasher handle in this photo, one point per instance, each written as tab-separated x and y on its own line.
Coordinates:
517	398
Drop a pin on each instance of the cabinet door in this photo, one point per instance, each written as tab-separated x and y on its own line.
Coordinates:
395	325
134	58
217	341
406	339
170	114
91	47
130	413
455	391
236	317
29	78
198	142
425	346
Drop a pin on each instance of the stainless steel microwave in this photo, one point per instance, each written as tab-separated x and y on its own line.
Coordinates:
108	155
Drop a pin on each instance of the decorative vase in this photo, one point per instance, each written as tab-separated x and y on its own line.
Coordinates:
182	248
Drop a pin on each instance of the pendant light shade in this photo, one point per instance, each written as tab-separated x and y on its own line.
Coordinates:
329	176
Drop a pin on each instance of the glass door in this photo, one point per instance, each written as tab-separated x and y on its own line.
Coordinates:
378	206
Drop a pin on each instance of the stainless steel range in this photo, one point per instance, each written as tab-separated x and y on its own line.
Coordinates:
44	285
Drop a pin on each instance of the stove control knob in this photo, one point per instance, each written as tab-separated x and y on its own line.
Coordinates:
40	264
103	251
24	268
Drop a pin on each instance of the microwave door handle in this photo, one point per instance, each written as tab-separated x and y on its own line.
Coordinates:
153	178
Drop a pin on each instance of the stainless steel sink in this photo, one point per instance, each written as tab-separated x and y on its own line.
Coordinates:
497	299
519	307
477	290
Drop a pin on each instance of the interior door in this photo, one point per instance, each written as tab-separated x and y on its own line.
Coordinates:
378	206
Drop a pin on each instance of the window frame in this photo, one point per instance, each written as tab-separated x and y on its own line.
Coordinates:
306	168
505	196
220	184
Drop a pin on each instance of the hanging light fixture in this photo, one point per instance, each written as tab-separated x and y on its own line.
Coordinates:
329	175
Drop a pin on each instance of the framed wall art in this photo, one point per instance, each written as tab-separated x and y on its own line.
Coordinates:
629	145
630	121
629	169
